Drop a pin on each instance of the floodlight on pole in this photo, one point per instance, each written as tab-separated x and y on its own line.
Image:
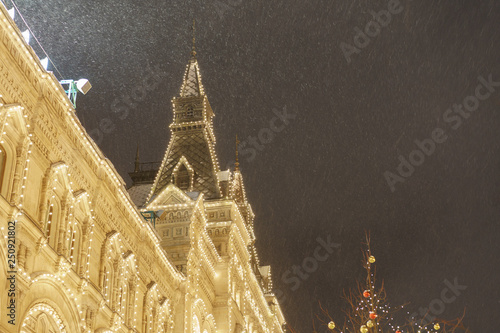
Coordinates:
83	85
71	87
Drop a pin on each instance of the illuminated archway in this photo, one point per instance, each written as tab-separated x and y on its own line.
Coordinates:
47	293
42	318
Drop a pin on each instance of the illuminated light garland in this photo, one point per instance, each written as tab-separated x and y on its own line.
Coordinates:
156	204
203	244
7	112
206	124
165	309
47	310
246	275
59	277
97	156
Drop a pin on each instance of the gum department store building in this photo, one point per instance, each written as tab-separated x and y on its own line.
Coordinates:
174	253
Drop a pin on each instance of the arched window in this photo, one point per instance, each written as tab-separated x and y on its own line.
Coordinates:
52	220
129	310
42	325
105	283
120	299
72	246
182	178
122	302
48	221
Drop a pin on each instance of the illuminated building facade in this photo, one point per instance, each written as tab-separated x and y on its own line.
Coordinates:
174	253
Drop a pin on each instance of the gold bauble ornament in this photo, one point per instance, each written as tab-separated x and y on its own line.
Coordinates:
363	329
331	325
371	259
369	323
436	326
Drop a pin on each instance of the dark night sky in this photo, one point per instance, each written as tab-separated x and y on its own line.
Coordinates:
323	173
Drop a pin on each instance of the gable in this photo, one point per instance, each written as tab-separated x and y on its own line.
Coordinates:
169	196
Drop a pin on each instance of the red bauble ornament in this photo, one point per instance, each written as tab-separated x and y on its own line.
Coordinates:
398	331
366	293
373	315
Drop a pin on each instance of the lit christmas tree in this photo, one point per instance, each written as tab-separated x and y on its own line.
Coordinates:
369	311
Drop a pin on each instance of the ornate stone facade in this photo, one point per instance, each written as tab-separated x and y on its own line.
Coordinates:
78	255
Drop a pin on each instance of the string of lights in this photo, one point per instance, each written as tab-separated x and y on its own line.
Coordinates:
34	36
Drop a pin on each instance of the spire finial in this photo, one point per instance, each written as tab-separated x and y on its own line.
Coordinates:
237	163
137	164
193	50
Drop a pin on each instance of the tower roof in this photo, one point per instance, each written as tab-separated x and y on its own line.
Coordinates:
191	84
190	161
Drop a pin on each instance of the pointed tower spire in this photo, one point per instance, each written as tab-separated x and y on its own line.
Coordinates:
137	163
237	163
193	50
190	161
191	84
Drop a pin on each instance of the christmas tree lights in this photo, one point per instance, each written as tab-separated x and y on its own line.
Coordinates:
369	311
